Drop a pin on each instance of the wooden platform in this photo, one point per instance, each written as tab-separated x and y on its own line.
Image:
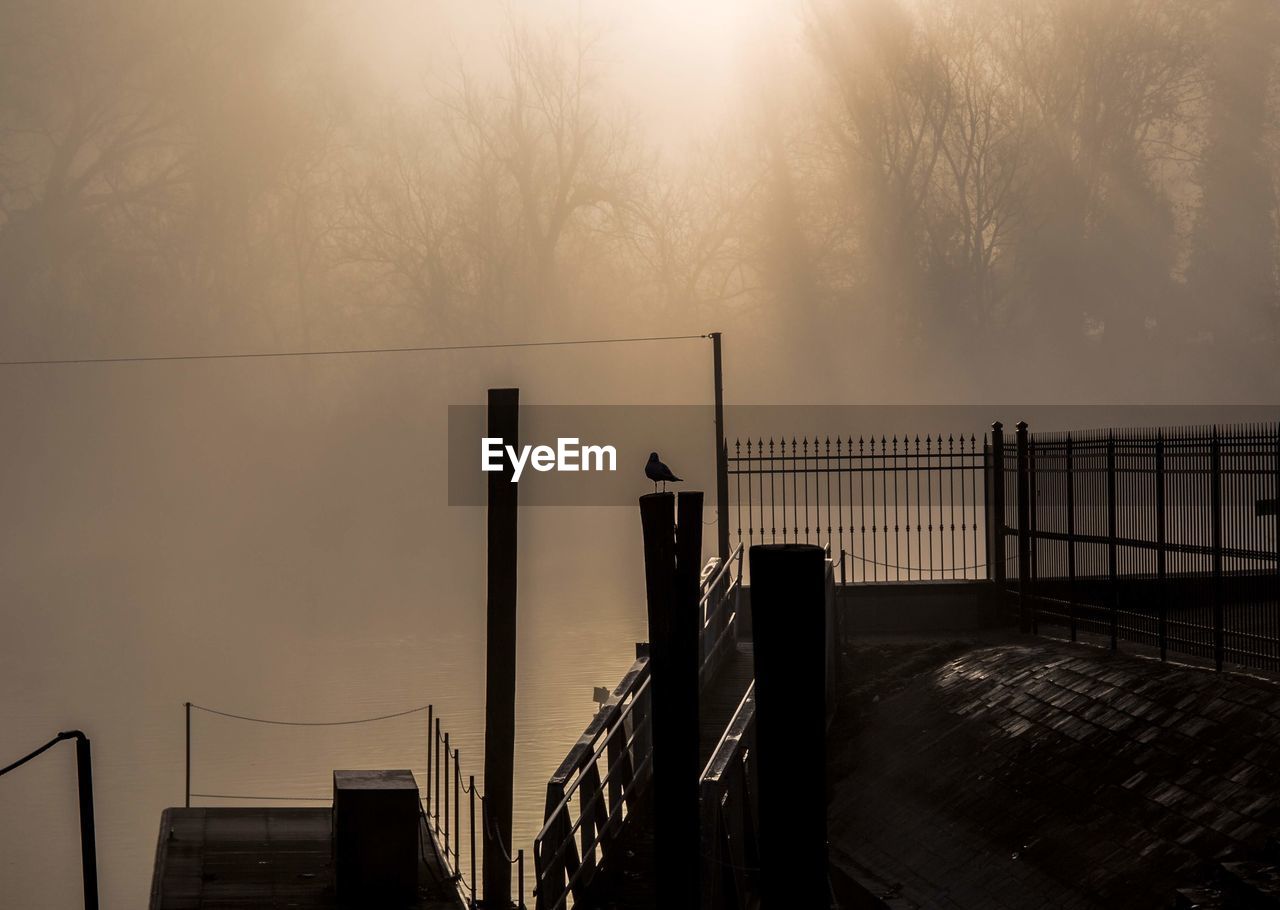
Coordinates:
242	857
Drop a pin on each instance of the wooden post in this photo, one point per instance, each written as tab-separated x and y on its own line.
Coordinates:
788	614
500	656
671	560
722	453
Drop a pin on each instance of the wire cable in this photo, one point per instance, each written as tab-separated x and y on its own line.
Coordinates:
416	349
313	723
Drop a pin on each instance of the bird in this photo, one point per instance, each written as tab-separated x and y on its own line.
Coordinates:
656	471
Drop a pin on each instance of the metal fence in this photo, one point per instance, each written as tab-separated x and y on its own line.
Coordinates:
889	509
1162	537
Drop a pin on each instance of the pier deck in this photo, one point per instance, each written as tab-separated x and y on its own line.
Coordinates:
265	857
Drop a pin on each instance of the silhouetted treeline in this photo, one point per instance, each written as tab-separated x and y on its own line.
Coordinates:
945	197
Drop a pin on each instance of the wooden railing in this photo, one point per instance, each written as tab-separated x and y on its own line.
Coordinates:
721	592
603	778
730	815
606	772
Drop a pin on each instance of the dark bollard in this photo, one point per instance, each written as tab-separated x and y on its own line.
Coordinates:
672	561
788	613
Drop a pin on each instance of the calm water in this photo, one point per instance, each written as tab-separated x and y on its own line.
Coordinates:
99	673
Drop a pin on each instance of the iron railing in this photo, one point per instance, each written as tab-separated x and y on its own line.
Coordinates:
1166	538
894	509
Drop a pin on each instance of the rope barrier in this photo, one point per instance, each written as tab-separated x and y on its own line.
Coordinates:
314	723
311	799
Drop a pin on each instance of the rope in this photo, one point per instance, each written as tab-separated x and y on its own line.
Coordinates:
343	351
310	799
313	723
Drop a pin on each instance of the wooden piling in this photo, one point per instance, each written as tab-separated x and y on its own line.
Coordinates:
788	614
500	657
672	562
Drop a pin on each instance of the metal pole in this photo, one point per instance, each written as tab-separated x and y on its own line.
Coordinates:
1024	537
1071	537
88	841
722	453
995	520
431	714
1111	540
187	803
1161	567
1215	456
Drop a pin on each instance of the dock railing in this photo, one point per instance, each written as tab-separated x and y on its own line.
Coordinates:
730	814
605	773
440	797
602	779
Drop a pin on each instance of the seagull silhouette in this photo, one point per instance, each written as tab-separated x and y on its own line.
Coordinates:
659	473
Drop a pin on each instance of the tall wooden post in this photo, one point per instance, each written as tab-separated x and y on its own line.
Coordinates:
671	557
500	657
722	453
788	614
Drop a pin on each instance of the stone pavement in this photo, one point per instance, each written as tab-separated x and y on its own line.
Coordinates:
1013	772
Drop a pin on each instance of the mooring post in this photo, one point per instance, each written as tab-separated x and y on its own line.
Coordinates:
500	654
671	559
788	614
722	453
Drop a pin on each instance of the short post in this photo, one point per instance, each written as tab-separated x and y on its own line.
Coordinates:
788	613
1024	528
1215	470
188	797
671	583
88	839
1032	536
995	519
500	654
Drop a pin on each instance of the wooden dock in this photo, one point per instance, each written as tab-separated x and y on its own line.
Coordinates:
239	857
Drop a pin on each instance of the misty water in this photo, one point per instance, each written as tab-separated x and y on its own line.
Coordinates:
275	541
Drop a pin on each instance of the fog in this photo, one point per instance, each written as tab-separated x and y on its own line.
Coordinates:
932	202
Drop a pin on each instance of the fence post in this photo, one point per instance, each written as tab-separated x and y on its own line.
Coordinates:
431	714
1033	521
1024	522
1111	538
995	518
188	797
1071	538
1215	470
1161	567
722	453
